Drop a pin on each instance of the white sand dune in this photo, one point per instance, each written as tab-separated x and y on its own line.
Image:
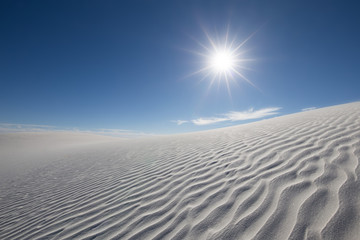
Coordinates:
291	177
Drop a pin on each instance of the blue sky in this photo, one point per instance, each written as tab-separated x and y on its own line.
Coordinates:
116	65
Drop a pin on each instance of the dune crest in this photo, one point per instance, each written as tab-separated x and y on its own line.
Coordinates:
290	177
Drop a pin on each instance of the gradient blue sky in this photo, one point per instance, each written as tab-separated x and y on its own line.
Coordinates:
123	64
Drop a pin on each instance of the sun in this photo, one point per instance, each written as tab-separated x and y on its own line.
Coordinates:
224	60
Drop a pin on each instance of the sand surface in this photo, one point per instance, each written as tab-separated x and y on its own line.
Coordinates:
290	177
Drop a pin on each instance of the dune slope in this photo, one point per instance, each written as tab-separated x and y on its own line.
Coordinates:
290	177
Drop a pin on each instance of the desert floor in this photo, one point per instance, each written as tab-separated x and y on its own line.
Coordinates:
289	177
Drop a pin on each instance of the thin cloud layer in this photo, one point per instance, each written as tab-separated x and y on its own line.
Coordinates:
13	128
238	116
308	109
180	122
251	114
207	121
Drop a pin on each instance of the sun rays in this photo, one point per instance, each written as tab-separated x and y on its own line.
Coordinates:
223	60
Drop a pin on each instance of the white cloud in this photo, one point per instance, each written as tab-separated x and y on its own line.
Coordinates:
251	114
238	116
180	122
206	121
113	130
308	109
12	128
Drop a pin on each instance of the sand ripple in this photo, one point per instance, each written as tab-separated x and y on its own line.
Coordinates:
291	177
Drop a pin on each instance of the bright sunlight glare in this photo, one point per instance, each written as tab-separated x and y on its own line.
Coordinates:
222	61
